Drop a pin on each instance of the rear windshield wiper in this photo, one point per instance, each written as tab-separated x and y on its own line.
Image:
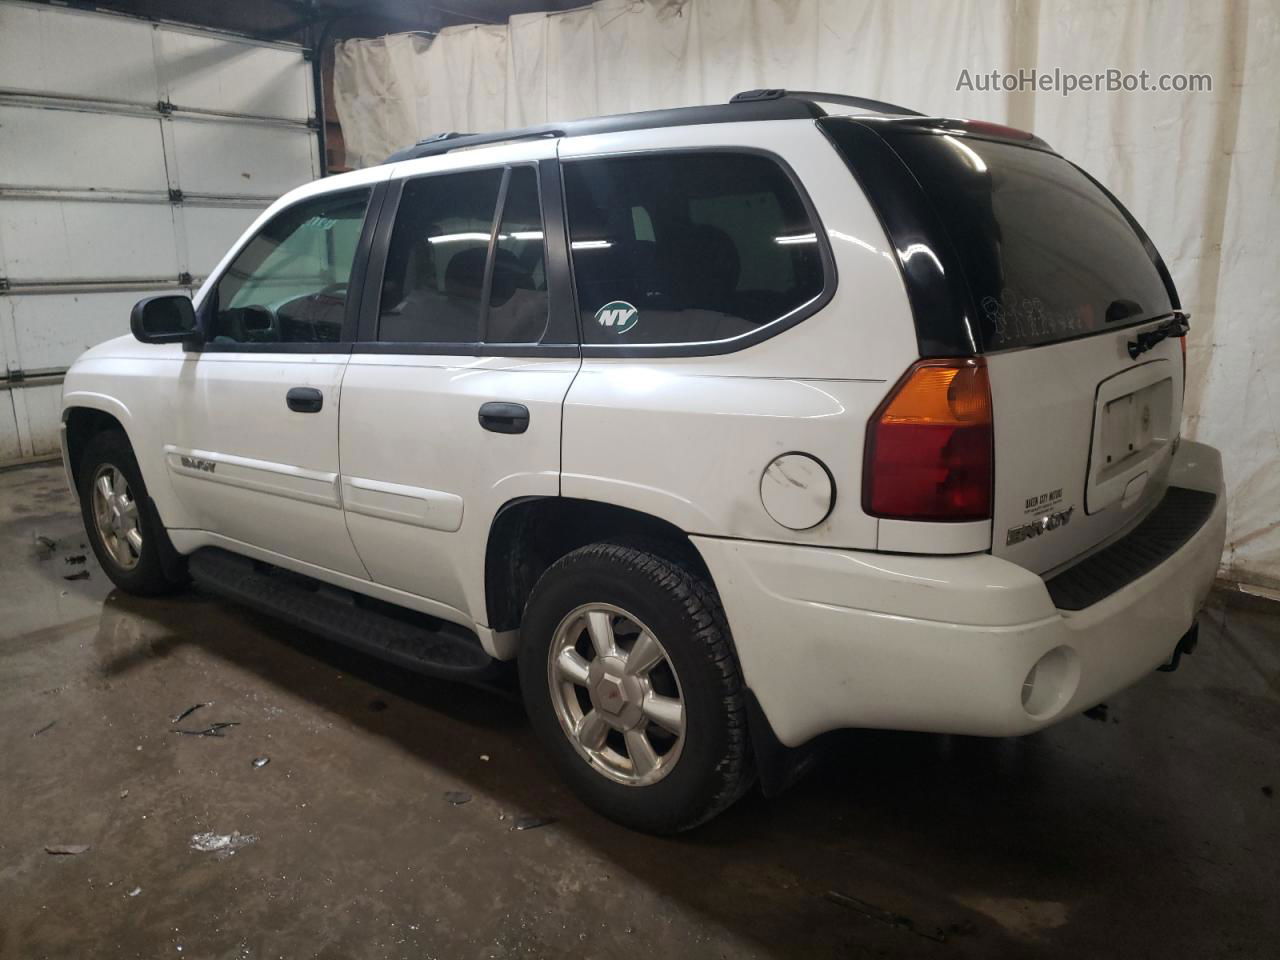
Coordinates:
1175	326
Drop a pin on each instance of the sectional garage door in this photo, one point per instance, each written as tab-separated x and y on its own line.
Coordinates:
132	154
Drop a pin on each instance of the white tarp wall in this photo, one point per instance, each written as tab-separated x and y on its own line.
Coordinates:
1199	170
132	154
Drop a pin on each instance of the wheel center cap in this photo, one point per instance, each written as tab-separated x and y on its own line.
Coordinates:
611	694
616	695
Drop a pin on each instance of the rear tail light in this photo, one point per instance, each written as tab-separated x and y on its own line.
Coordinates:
929	445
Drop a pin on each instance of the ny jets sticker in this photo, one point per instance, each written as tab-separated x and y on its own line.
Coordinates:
618	316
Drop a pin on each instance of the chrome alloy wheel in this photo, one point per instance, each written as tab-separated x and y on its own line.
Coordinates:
616	694
115	513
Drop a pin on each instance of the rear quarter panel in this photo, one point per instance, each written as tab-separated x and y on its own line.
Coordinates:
688	439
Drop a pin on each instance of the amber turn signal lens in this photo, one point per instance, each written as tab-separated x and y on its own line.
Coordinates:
929	446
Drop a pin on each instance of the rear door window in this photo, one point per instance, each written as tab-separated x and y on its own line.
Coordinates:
518	296
1047	254
450	278
681	248
434	277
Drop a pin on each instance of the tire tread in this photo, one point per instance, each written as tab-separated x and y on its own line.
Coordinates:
149	577
735	770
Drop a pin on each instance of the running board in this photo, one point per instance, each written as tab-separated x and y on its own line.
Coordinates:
412	640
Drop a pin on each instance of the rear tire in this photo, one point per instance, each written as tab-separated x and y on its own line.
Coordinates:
631	683
123	526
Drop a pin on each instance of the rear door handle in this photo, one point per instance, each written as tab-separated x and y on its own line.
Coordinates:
304	399
504	417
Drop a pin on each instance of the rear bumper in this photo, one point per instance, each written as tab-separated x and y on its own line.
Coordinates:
830	639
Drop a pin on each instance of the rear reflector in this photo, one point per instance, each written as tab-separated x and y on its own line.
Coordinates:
929	446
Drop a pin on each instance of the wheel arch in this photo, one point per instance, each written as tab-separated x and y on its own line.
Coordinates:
83	417
528	534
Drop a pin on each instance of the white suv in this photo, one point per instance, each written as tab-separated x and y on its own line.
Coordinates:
732	425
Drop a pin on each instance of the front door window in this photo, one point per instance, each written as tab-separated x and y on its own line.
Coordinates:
289	283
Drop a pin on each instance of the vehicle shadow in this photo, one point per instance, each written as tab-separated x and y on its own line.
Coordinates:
896	845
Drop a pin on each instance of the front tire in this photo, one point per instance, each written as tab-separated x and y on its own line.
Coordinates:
631	682
124	529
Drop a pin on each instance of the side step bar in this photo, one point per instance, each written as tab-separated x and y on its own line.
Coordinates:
402	637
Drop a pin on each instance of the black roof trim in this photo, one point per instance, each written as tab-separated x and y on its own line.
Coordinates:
782	108
844	99
444	142
765	104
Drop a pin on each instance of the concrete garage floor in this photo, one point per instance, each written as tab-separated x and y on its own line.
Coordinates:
1152	832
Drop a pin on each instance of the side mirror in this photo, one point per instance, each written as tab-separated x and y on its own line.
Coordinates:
167	318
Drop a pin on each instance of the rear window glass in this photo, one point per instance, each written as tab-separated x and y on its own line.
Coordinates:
687	247
1047	255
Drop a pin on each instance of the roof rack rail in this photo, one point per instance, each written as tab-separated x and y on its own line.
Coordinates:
844	99
775	109
772	104
444	142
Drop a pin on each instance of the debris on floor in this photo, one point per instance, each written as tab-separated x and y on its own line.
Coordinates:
1098	713
81	575
135	891
872	912
531	823
484	757
48	726
123	794
1267	791
75	559
222	844
188	712
261	761
66	849
457	797
47	542
213	730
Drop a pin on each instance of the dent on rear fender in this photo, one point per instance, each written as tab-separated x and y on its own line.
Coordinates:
663	504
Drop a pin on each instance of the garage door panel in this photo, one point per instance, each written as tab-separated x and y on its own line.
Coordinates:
50	330
211	231
37	414
89	158
8	339
212	73
10	448
242	159
79	150
52	51
61	240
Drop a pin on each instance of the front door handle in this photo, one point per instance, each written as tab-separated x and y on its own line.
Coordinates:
504	417
304	399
